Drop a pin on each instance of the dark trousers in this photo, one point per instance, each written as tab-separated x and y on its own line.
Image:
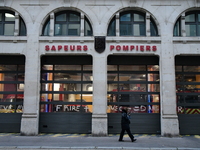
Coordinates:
125	127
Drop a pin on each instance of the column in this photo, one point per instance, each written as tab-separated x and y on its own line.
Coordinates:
30	116
99	116
169	118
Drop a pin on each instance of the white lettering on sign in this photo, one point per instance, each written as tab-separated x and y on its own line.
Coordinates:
179	109
134	109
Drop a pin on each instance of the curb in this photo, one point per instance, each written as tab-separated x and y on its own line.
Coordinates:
90	148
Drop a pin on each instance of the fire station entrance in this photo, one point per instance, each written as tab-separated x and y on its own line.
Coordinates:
133	82
11	92
66	94
188	93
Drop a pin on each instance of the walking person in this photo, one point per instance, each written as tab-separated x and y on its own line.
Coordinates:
125	121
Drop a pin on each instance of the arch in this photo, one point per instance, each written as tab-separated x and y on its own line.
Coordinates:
180	23
135	9
61	9
19	26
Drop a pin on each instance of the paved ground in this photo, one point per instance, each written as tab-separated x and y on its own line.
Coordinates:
83	142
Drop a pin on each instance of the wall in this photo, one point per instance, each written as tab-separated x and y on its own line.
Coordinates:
99	13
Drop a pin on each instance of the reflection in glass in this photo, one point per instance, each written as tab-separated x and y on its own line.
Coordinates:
60	29
112	77
125	29
74	29
190	30
190	18
112	28
74	17
191	68
125	17
138	17
61	17
9	29
132	68
9	17
112	67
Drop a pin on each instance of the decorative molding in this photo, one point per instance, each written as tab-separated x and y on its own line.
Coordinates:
34	4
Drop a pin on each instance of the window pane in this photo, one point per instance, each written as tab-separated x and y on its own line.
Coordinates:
132	68
9	17
153	77
132	77
125	29
153	68
139	29
138	17
112	28
178	68
153	88
112	77
125	17
60	29
153	29
0	16
9	29
198	17
198	30
190	30
190	18
74	17
8	67
22	31
47	29
87	30
67	76
112	67
74	29
61	17
87	77
191	68
68	67
87	67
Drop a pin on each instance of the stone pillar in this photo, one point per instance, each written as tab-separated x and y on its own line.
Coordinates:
169	118
99	116
30	116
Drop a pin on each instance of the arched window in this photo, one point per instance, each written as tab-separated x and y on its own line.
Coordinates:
132	23
188	24
68	23
8	24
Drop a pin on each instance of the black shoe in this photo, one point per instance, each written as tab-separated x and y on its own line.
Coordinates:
121	140
133	140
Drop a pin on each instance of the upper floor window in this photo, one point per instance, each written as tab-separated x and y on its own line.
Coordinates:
132	23
67	23
188	24
8	24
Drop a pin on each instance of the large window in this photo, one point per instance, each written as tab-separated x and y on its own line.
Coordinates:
191	23
133	85
66	87
188	86
11	84
132	23
7	24
68	23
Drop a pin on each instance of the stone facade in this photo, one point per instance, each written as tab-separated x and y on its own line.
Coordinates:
99	13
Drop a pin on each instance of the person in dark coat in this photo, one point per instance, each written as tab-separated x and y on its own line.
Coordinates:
125	121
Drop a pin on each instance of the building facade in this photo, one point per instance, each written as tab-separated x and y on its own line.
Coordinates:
70	66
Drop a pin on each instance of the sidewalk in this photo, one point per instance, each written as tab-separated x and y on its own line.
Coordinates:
88	142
